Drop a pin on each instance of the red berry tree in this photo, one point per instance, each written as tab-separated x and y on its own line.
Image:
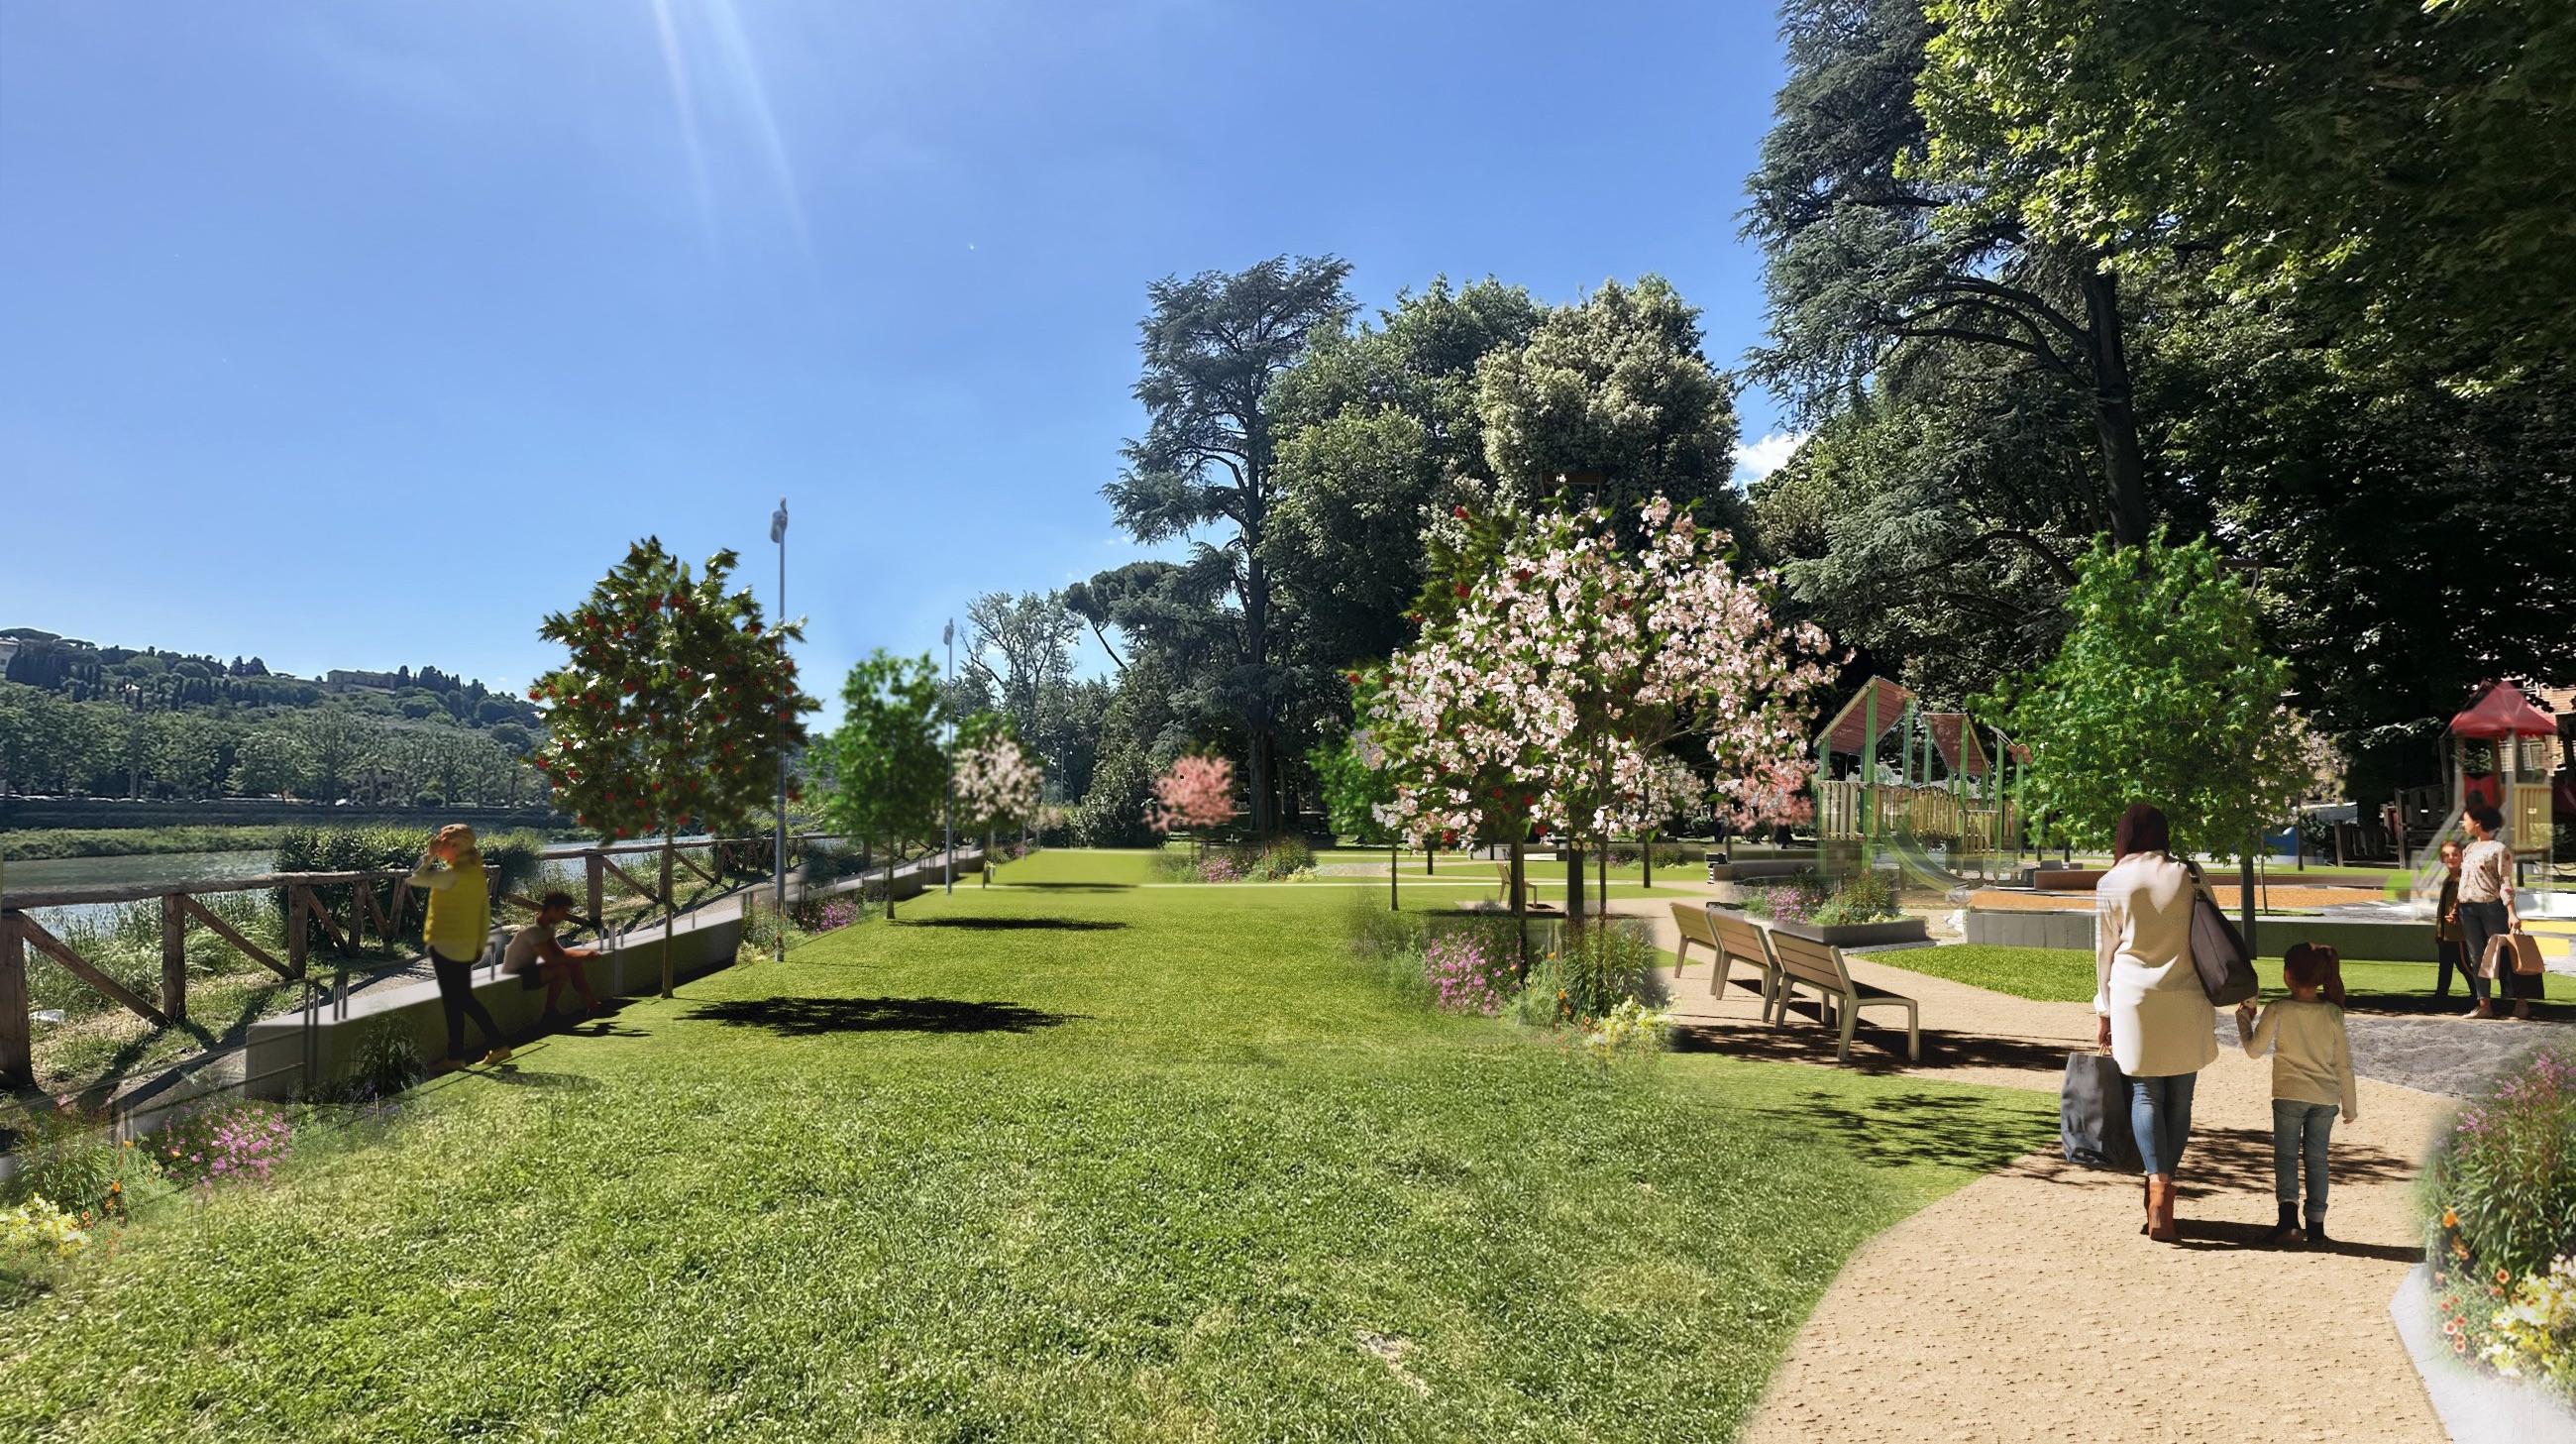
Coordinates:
673	705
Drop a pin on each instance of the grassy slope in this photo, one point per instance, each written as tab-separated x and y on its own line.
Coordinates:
1085	1162
2065	975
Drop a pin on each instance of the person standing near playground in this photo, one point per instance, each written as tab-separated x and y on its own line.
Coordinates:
2453	953
2312	1080
2485	910
460	920
2152	1013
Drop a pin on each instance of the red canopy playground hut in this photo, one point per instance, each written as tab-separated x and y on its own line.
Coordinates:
1943	784
2523	737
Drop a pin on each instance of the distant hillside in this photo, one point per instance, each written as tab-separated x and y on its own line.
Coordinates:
152	680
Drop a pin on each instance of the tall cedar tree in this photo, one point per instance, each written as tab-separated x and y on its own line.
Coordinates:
1874	252
1214	347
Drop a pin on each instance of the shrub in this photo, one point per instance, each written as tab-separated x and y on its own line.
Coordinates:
229	1142
1629	1031
1465	975
1867	897
66	1156
1112	813
829	861
823	914
2502	1189
37	1227
2506	1171
1220	867
1282	858
1794	900
387	1063
1600	967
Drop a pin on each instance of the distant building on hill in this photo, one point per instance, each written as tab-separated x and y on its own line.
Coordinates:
340	679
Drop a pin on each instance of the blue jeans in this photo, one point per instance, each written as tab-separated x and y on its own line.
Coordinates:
2160	1114
2300	1130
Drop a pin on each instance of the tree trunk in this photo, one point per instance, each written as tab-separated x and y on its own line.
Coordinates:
1646	859
2115	419
890	851
1394	859
1573	885
1520	914
670	910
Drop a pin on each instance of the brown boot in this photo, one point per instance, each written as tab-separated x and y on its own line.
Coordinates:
2160	1202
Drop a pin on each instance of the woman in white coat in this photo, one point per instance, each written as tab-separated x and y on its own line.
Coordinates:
2152	1013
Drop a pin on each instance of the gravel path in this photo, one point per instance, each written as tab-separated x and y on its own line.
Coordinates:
2027	1306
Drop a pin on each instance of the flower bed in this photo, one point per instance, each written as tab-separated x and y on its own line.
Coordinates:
2500	1246
1861	912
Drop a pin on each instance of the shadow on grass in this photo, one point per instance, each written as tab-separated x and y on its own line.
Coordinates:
815	1017
1074	886
1002	925
1912	1128
518	1077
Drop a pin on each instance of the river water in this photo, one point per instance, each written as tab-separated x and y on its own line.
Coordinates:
167	867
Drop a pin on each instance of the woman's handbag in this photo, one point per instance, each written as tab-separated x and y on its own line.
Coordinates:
2093	1114
2521	948
2218	951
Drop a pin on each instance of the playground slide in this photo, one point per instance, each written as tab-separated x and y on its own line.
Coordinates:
1922	869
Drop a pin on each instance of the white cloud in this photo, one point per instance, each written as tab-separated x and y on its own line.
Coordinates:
1760	459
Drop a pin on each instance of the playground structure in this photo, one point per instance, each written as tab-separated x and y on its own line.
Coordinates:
2524	743
1944	789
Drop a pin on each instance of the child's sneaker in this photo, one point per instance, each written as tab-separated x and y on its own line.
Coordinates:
2317	1231
497	1055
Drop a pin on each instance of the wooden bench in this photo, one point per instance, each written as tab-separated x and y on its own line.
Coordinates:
1739	942
1820	966
1691	920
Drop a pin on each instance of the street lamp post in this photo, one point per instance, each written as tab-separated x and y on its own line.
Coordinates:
948	805
778	534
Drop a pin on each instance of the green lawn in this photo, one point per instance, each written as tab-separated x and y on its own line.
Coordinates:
1134	867
1072	1163
2065	975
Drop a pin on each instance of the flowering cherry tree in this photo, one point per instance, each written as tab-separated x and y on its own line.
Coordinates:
1195	793
1563	669
998	784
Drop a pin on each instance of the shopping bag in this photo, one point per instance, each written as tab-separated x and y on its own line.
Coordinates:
2513	952
2093	1114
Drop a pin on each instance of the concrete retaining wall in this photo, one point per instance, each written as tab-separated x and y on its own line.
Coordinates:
2360	939
282	1049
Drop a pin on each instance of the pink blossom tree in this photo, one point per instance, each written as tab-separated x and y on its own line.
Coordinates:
1194	793
1564	668
998	786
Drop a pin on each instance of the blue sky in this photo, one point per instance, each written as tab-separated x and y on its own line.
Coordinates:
363	334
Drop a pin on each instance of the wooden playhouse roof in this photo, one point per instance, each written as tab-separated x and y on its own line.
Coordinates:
1847	731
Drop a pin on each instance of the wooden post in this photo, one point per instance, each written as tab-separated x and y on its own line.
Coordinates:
1869	761
17	1061
297	900
174	958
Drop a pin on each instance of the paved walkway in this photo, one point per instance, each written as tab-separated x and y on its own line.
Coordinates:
2027	1306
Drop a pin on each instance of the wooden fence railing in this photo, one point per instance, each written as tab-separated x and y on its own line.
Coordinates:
21	934
1934	812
